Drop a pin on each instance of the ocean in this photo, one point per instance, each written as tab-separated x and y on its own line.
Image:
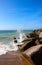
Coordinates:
8	35
7	42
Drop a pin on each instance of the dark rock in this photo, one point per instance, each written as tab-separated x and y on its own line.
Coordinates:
36	40
40	40
28	35
15	41
36	33
14	37
28	44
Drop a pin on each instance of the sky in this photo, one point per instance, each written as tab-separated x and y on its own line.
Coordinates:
20	14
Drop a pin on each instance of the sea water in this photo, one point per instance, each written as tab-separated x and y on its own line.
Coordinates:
7	41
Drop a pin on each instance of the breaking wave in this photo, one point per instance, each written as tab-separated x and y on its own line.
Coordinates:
11	45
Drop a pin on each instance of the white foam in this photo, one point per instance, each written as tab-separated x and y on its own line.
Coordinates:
12	46
2	49
21	36
5	48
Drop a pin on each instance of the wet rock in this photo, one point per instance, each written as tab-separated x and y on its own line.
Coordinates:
14	37
15	41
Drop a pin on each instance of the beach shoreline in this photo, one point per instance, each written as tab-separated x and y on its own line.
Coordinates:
18	57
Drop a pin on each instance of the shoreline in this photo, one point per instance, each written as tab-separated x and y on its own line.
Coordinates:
18	57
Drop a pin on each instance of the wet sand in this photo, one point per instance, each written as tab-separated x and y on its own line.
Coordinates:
14	58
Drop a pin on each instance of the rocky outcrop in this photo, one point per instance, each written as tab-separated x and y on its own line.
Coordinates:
40	35
35	33
37	57
29	53
28	35
35	53
27	44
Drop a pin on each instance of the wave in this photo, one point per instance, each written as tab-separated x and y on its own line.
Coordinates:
7	47
7	43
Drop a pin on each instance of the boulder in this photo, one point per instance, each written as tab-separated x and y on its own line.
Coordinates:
27	44
35	53
15	41
36	33
40	35
40	40
37	57
14	38
28	35
37	41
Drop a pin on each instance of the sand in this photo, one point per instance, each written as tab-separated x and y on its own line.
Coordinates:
14	58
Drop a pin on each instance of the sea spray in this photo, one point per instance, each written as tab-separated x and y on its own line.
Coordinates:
7	42
21	36
13	46
7	47
3	48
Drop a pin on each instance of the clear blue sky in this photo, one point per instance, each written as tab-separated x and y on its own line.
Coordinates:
16	14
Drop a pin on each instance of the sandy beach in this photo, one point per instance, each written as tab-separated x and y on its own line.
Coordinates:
30	47
14	58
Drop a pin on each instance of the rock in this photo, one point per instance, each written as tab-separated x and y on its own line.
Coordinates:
35	53
15	41
40	35
37	42
31	50
37	57
14	37
33	39
28	44
40	40
28	35
36	33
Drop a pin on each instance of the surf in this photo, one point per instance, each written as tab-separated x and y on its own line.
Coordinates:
12	46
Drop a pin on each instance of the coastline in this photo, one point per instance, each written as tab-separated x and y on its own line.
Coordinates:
14	58
21	57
